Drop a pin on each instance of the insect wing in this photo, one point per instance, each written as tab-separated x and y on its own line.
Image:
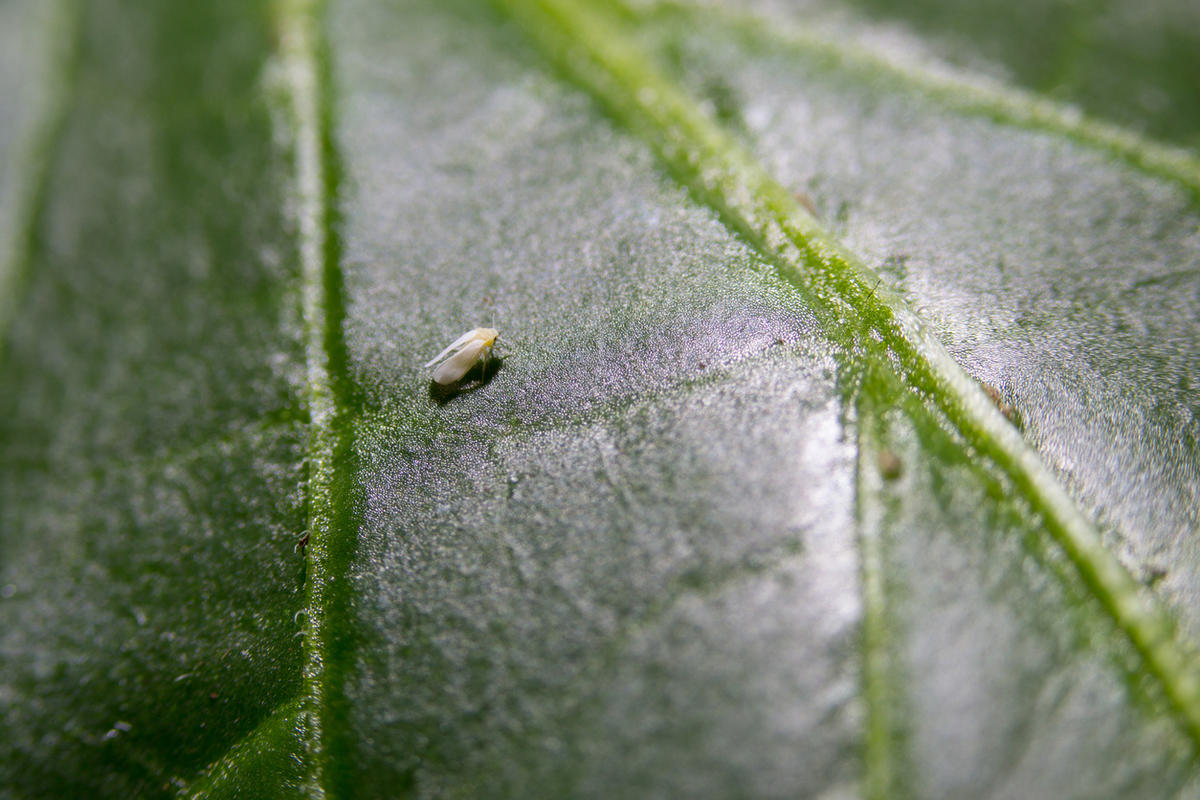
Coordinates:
459	364
455	345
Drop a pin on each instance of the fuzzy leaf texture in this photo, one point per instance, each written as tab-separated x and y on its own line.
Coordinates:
841	442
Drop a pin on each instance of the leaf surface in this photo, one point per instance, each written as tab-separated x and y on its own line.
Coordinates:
726	520
151	425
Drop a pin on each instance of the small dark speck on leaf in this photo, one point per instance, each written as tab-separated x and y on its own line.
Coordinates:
1005	407
302	543
806	202
702	365
843	213
890	465
1154	574
721	100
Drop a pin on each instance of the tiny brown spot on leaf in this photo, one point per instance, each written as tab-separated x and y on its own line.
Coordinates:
890	465
806	202
1005	407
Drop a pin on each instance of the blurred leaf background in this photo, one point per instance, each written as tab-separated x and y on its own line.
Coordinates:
704	532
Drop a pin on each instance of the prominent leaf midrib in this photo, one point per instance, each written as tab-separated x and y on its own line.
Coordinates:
595	53
299	24
974	96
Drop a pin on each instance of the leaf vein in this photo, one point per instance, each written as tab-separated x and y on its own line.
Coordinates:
977	96
593	51
332	533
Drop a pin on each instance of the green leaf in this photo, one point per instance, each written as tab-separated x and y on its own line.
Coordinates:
1125	62
731	517
153	431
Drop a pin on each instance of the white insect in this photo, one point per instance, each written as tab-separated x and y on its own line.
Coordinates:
457	359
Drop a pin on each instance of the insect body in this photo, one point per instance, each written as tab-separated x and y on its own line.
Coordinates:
462	354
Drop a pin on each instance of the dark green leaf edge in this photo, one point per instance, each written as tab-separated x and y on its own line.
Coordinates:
975	96
870	322
36	147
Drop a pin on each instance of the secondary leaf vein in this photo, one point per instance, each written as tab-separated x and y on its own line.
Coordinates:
845	294
976	96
